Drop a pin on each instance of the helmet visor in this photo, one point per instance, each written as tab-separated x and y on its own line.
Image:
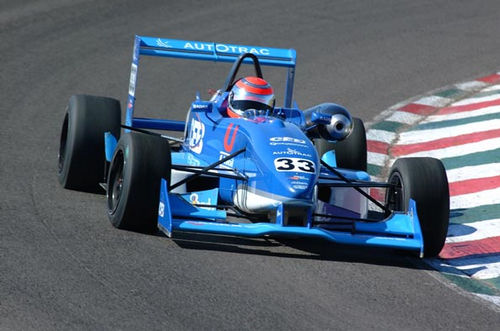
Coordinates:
243	105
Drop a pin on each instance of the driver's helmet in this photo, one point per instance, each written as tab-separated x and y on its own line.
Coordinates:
250	93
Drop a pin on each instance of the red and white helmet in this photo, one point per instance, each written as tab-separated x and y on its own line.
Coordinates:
250	93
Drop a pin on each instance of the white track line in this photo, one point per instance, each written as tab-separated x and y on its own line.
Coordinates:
491	88
377	159
487	197
478	268
473	231
404	117
460	150
473	172
380	135
474	100
462	115
491	298
421	136
481	270
486	267
433	101
470	86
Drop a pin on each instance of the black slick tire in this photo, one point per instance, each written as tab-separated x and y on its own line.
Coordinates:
133	187
424	180
81	150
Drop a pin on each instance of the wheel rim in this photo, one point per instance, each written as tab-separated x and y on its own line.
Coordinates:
115	182
62	144
395	196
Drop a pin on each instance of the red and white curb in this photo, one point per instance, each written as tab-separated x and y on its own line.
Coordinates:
460	125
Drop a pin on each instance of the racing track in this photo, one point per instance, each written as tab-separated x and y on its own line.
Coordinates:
62	265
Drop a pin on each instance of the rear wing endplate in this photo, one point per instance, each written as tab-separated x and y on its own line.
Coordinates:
207	51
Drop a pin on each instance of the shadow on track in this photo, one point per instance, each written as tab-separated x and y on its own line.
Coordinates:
299	248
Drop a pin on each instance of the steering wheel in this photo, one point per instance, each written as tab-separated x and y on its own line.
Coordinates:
236	66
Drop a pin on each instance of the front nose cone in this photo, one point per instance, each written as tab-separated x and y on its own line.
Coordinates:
296	185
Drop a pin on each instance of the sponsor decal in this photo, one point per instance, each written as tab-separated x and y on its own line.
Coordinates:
133	79
195	200
291	151
298	183
208	197
228	145
211	47
161	209
298	177
294	164
161	43
287	141
196	136
197	106
229	162
192	160
223	48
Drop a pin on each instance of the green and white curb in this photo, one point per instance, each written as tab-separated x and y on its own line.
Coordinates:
460	125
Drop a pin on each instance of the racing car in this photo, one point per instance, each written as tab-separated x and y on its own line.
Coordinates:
275	171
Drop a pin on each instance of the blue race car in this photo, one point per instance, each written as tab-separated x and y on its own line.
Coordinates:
245	166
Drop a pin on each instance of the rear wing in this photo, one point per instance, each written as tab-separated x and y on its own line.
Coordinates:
210	51
207	51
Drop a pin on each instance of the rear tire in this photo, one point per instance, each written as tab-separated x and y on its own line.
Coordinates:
133	188
350	152
81	150
424	180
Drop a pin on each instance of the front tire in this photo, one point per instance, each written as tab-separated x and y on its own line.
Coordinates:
133	188
81	150
424	180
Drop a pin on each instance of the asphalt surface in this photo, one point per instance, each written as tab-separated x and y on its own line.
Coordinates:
63	266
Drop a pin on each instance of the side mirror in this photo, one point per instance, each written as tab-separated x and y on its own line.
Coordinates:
329	121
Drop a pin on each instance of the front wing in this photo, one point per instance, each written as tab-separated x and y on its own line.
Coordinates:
399	230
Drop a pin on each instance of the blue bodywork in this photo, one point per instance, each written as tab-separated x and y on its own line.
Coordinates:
263	166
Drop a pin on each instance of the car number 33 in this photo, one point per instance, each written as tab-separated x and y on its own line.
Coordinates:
293	164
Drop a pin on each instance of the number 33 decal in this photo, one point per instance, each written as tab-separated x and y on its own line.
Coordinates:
293	164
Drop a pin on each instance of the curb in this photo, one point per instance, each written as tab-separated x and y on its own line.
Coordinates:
406	114
424	126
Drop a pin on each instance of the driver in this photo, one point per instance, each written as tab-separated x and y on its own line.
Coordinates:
250	93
